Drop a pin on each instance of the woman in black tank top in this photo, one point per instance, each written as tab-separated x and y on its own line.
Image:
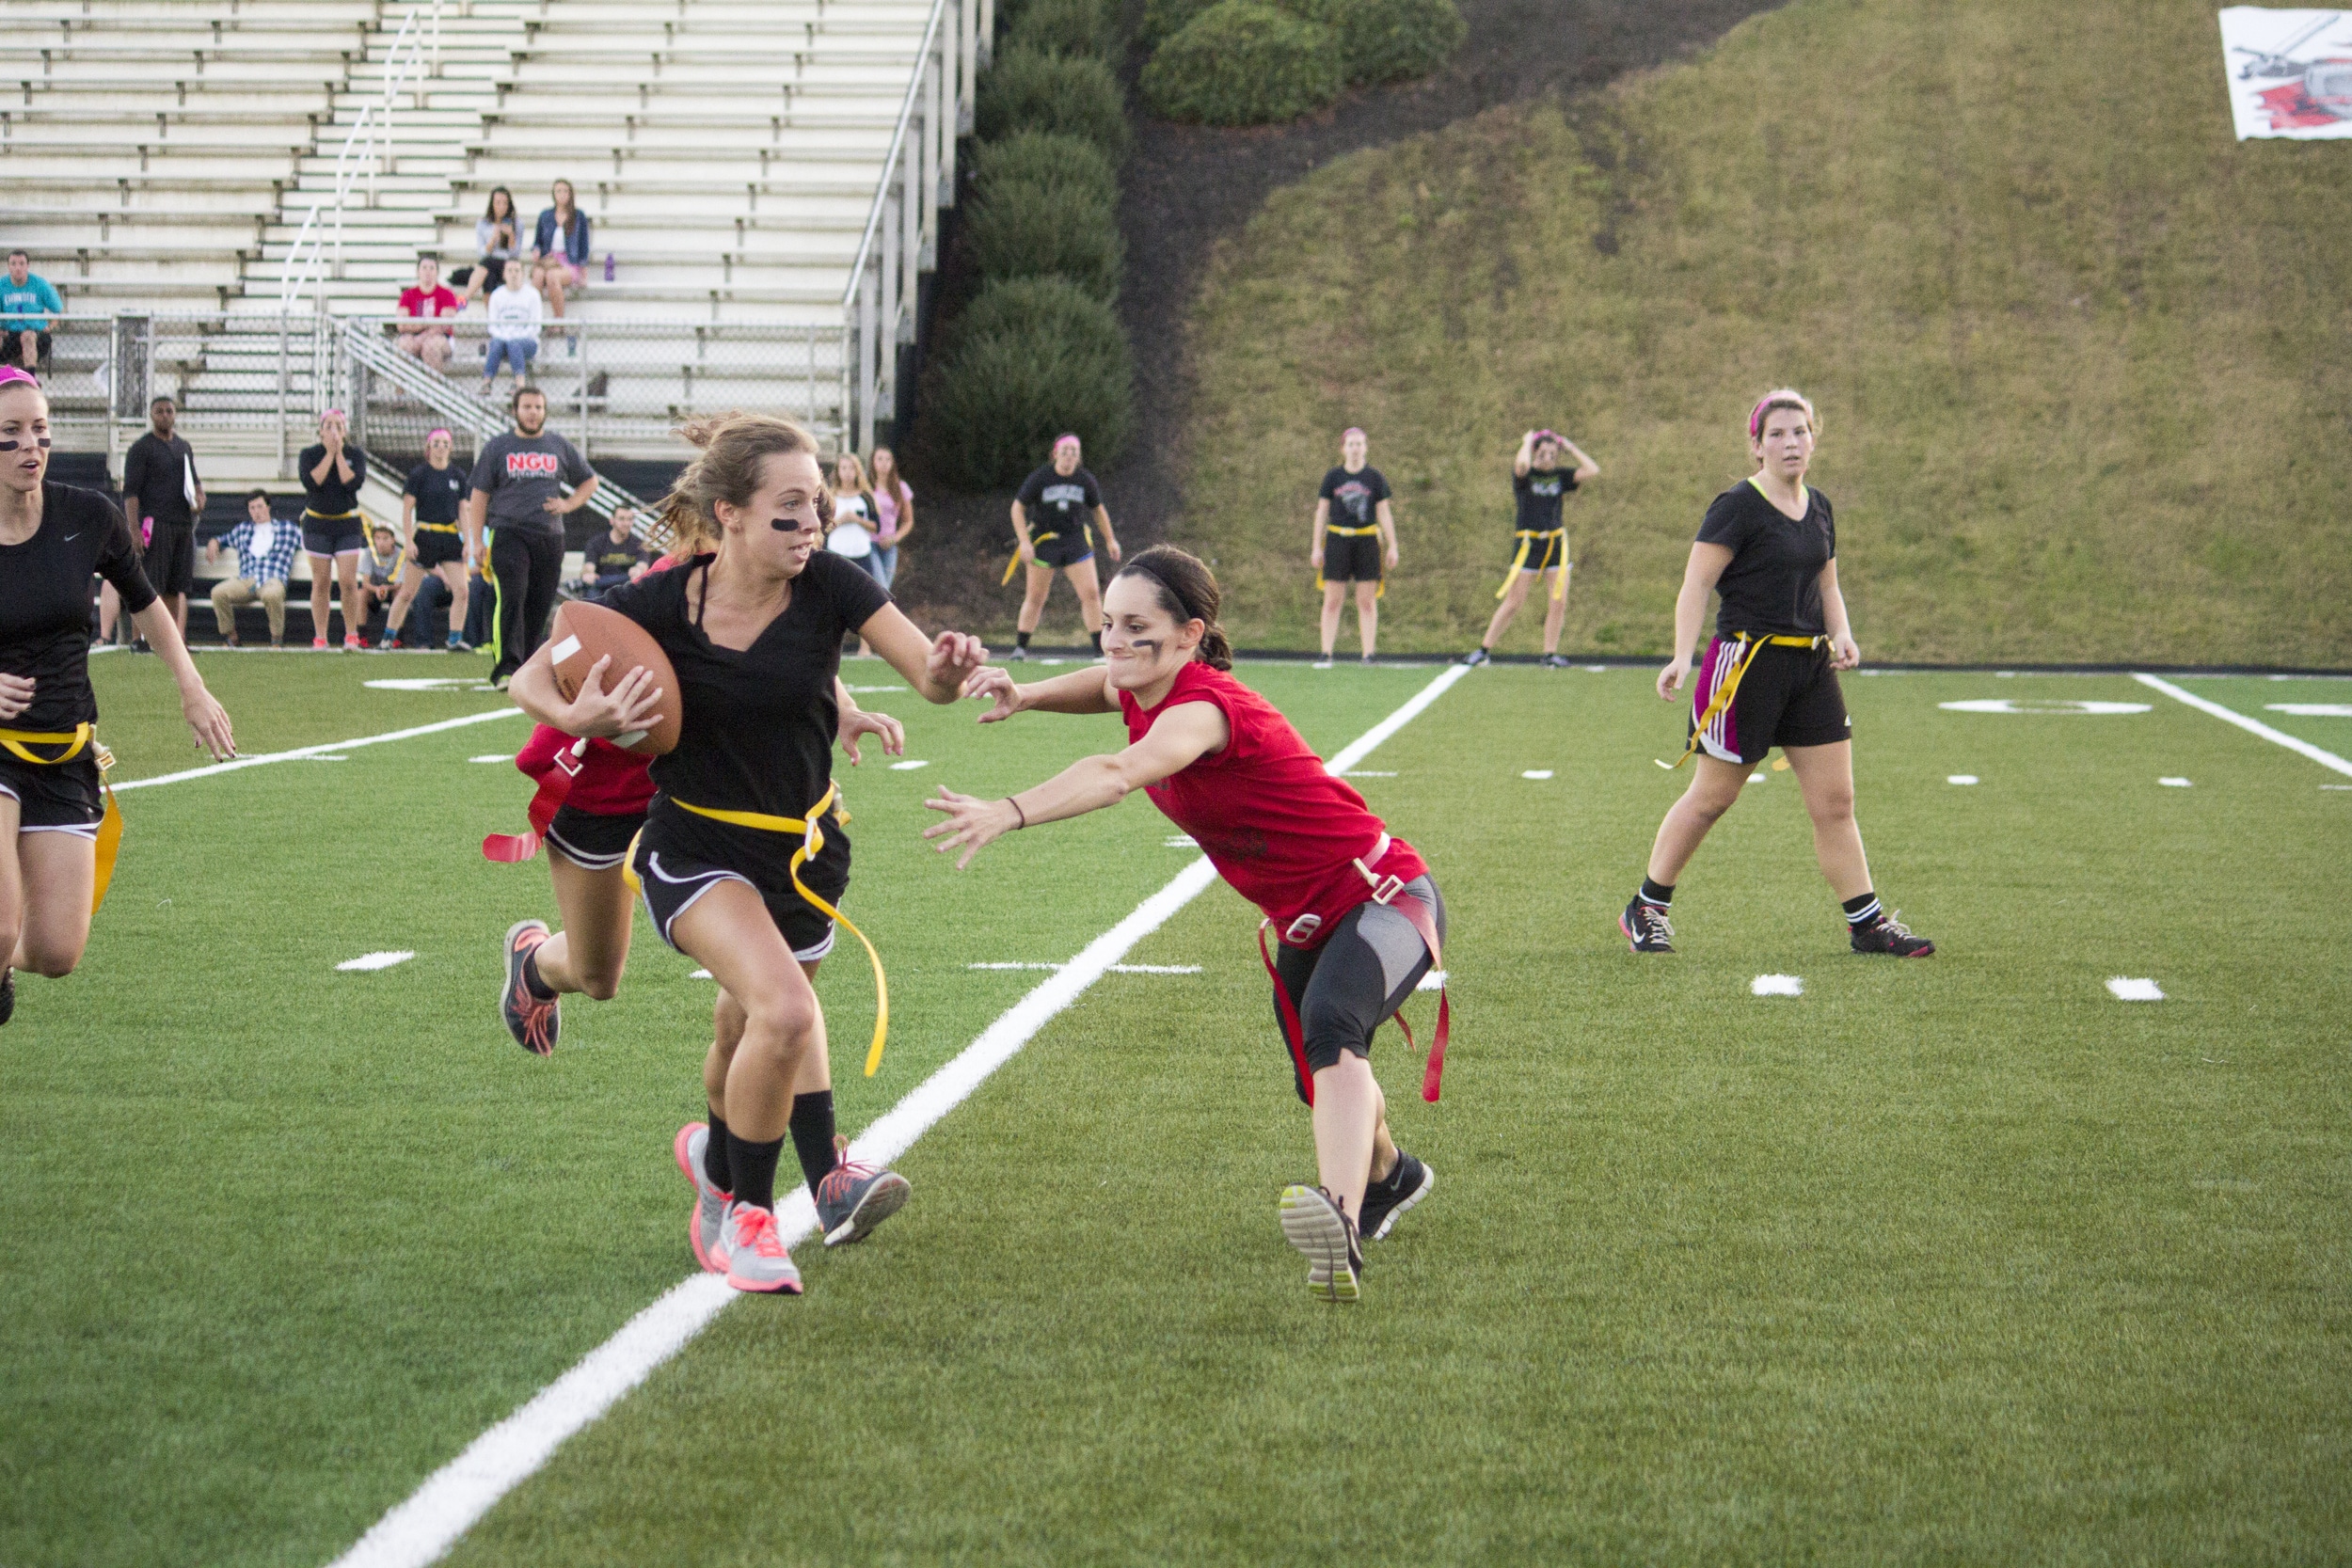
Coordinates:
1769	546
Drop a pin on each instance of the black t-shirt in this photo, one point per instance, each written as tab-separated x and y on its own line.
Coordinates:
440	492
331	496
758	724
1059	505
45	596
606	559
1354	497
1540	491
1774	583
155	475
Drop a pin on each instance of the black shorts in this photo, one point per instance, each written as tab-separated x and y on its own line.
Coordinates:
1351	559
1788	697
592	841
433	547
333	535
1346	988
676	864
170	560
61	800
1544	552
42	342
1064	550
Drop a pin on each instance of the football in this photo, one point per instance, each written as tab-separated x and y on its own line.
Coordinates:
585	633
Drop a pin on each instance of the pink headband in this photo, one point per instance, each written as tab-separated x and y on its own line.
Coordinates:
12	374
1061	441
1784	398
1551	436
438	436
332	414
1353	430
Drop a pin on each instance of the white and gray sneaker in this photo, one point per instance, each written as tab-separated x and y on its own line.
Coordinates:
1318	1227
756	1259
706	1228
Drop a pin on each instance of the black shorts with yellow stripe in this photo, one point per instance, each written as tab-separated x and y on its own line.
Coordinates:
681	857
1544	551
1057	549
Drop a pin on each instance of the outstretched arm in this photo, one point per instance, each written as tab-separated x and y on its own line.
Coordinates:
855	721
1080	691
1181	736
936	667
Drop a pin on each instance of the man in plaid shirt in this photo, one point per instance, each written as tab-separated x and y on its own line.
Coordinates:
265	551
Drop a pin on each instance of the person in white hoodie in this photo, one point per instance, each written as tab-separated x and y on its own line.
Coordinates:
516	312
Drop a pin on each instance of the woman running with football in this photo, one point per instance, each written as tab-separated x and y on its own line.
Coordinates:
54	809
1358	918
753	631
1769	546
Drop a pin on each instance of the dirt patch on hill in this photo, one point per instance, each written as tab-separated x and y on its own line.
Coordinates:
1186	188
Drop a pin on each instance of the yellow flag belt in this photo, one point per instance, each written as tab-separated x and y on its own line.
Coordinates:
1745	646
20	743
811	831
1380	593
1527	537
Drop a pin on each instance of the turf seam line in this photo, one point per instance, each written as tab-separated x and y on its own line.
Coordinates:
453	1499
299	753
2252	726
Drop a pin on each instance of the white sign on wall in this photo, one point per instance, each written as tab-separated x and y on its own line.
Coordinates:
2290	72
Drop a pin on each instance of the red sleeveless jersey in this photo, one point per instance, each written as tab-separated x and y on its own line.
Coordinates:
1282	830
611	781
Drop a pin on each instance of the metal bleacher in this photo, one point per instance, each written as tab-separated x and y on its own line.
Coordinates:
231	195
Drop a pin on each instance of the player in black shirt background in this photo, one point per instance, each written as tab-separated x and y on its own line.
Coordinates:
1053	519
53	810
1540	539
1354	541
430	506
742	859
1769	546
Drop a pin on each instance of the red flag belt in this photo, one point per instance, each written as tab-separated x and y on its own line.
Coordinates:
1295	1036
555	784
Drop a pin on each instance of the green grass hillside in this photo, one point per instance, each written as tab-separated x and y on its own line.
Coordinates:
2082	359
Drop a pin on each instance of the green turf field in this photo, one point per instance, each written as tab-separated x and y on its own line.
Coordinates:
1959	1261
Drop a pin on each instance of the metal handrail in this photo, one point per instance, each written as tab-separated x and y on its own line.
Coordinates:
373	128
890	163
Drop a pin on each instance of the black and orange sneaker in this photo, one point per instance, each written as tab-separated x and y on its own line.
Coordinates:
1887	933
1646	928
533	1022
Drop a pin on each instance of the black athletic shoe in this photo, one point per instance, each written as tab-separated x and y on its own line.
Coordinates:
1406	1185
1647	928
1887	934
1477	656
8	994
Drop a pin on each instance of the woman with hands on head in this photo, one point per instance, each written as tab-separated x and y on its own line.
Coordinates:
53	801
1358	916
1768	547
742	859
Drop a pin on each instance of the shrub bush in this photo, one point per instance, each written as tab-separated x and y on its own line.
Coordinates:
1026	90
1069	167
1025	230
1163	19
1242	63
1063	27
1388	41
1032	358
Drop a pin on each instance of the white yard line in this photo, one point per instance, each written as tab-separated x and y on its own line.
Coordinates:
301	752
2252	726
453	1497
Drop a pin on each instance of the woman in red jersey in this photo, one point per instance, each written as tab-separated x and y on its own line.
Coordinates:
1358	918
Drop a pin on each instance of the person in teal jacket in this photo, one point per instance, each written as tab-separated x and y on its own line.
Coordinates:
27	302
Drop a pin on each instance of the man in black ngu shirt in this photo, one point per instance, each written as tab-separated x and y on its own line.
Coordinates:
165	496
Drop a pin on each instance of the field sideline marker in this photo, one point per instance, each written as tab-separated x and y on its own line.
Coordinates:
2252	726
422	1528
299	753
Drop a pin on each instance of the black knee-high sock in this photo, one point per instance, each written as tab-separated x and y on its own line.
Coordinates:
753	1168
812	1136
715	1167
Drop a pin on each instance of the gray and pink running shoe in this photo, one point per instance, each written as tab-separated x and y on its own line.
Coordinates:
756	1254
854	1198
706	1227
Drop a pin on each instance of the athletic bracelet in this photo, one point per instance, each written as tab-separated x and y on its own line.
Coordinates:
1017	812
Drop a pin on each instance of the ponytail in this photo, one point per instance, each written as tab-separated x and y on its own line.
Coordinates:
1188	590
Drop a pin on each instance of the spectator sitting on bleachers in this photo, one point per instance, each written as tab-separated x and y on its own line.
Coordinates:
380	566
428	301
495	239
613	558
265	551
27	302
516	312
557	268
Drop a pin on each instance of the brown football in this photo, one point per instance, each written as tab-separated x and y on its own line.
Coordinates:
585	633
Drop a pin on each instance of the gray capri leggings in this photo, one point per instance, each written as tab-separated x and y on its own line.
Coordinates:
1353	983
